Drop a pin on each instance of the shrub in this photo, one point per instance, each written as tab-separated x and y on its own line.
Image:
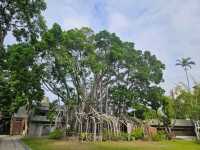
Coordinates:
137	134
160	136
56	134
106	135
83	136
116	138
122	136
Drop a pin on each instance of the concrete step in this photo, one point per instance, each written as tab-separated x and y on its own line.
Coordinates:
189	138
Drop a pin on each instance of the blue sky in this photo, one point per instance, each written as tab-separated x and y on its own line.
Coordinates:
170	29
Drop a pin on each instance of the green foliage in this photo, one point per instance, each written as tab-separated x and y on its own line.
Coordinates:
138	133
78	65
79	61
122	136
21	17
20	76
125	136
83	136
56	134
187	103
155	95
52	110
143	112
23	79
121	96
160	136
186	63
168	107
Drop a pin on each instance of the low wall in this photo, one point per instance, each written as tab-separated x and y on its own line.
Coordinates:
39	129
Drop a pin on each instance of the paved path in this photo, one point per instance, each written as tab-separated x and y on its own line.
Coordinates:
11	143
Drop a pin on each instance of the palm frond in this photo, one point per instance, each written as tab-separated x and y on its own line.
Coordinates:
178	64
185	62
192	63
187	59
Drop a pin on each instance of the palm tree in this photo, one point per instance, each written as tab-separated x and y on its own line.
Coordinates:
186	63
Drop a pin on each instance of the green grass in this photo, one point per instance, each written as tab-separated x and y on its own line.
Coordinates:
46	144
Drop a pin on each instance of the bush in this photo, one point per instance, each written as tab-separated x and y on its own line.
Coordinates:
160	136
116	138
56	134
106	135
137	134
122	136
83	136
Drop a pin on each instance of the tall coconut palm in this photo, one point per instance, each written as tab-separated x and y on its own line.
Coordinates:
186	63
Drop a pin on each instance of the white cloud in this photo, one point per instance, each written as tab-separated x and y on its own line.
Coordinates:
76	22
168	28
69	14
118	23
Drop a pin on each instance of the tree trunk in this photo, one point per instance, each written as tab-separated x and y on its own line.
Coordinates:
188	82
94	130
2	37
86	130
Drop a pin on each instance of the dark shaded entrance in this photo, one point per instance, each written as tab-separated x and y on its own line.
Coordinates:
5	125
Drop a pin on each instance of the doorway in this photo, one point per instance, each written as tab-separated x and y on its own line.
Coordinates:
5	126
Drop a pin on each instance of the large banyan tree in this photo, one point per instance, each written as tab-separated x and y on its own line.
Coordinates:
98	78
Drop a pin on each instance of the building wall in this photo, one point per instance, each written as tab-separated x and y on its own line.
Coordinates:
183	131
180	130
17	126
39	129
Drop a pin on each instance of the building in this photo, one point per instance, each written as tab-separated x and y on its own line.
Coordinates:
39	124
181	127
19	122
34	124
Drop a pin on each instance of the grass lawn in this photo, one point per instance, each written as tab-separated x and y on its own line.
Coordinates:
45	144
